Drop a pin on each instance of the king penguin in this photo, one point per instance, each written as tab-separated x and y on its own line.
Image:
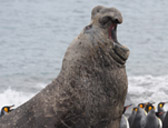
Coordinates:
143	106
147	105
124	121
140	117
165	122
6	109
132	116
161	111
152	121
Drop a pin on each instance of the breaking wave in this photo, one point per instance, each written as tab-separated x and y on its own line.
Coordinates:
140	89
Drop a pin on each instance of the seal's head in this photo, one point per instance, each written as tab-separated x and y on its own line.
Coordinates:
107	19
104	22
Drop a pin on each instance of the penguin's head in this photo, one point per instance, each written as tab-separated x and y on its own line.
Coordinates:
135	109
150	107
142	105
6	109
161	104
147	106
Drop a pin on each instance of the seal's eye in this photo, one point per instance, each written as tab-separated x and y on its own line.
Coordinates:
104	20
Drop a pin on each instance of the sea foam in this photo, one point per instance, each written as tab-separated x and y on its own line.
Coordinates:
145	88
148	88
13	97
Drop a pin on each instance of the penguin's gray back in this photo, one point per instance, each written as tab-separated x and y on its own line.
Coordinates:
124	122
152	120
162	116
131	118
140	119
165	123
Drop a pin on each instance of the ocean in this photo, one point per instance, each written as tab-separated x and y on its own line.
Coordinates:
34	35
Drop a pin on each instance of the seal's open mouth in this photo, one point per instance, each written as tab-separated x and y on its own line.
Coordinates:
113	32
121	52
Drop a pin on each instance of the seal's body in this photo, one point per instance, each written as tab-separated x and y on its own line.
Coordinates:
91	87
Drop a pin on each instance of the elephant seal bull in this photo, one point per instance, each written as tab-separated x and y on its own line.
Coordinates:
90	90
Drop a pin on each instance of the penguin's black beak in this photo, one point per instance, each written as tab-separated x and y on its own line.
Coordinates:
159	113
149	103
165	102
128	106
10	107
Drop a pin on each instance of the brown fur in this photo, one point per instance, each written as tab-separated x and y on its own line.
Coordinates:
90	89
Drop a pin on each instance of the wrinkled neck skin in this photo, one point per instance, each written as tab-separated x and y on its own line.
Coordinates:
100	36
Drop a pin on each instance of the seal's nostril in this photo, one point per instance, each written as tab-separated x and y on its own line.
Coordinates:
116	21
